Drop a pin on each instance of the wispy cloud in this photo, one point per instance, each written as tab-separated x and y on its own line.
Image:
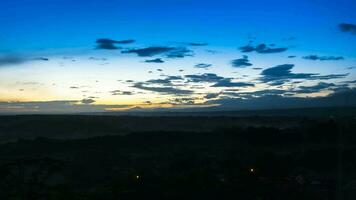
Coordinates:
323	58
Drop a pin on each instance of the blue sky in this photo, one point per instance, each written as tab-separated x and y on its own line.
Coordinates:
49	53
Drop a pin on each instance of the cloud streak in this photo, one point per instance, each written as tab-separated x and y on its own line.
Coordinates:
262	49
323	58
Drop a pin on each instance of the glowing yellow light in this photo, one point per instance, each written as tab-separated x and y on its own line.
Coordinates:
252	170
137	177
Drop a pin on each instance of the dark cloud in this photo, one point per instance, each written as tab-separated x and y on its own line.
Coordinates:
165	82
119	92
315	88
349	28
283	72
160	81
344	98
261	48
278	71
197	44
157	60
247	48
169	52
226	82
105	40
257	68
203	65
183	101
292	56
87	101
164	90
41	59
242	62
109	44
207	77
323	58
174	78
149	51
179	53
211	95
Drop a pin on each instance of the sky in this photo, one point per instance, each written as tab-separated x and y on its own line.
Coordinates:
70	56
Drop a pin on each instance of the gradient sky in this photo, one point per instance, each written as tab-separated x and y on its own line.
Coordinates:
217	55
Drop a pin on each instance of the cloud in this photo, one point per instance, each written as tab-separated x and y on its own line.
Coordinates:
104	43
41	59
183	101
281	73
107	46
323	58
261	48
179	53
344	98
226	82
6	60
242	62
157	60
278	71
119	92
164	90
211	95
315	88
160	81
105	40
149	51
197	44
349	28
87	101
11	60
203	65
207	77
165	82
169	52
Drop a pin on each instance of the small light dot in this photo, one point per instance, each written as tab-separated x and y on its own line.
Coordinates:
137	177
252	170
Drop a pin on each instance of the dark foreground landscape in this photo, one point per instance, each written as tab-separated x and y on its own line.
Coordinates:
69	157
